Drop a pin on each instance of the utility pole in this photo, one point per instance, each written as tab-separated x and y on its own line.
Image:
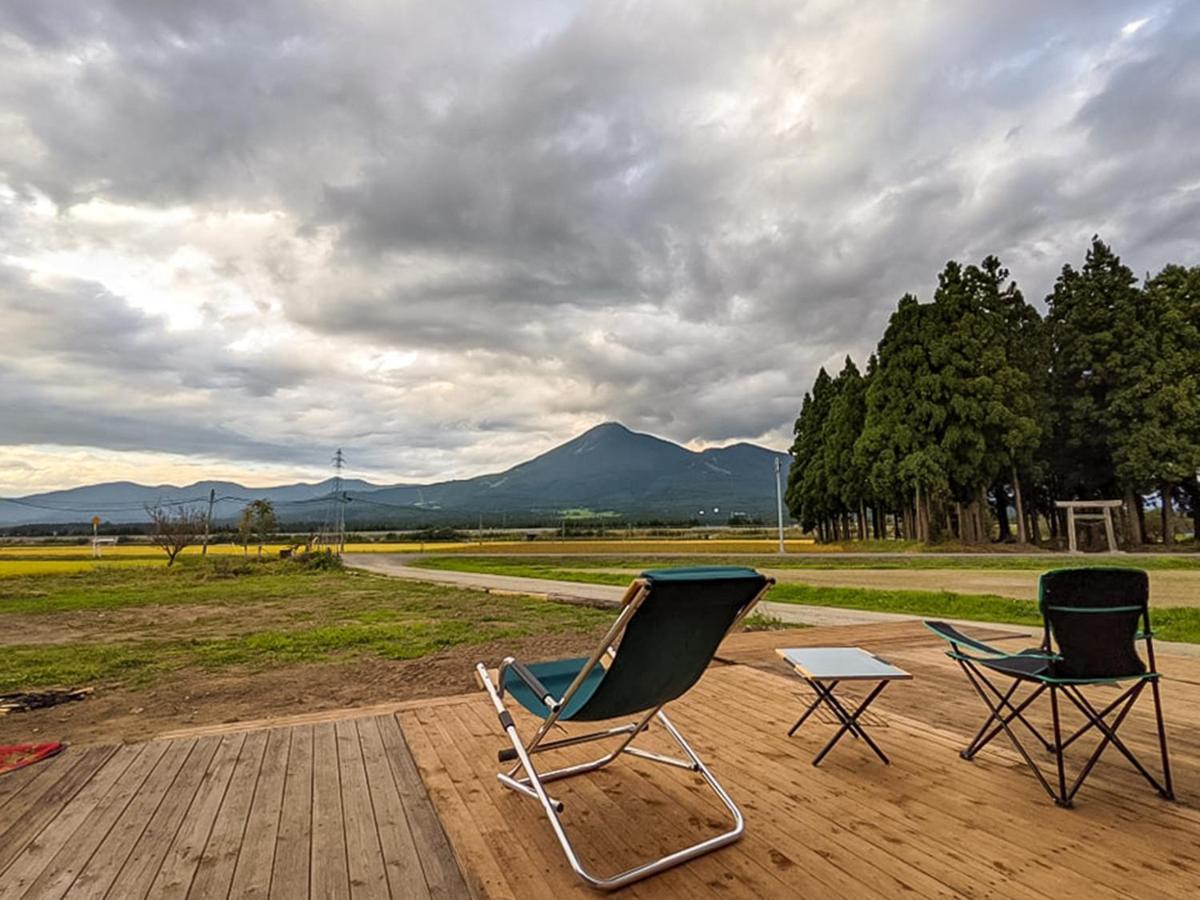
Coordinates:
779	500
212	498
339	462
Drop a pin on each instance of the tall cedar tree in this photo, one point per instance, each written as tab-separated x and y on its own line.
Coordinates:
1154	414
844	480
808	464
983	350
899	449
1087	312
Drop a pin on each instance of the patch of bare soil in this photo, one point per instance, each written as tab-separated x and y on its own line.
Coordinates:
196	698
147	623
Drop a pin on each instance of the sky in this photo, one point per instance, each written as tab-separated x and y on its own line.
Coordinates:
447	236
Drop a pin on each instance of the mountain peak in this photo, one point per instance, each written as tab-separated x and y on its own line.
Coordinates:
607	428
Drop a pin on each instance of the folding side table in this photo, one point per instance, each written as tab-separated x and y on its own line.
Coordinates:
824	668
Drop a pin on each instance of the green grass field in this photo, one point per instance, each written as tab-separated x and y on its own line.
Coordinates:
139	624
480	561
1170	623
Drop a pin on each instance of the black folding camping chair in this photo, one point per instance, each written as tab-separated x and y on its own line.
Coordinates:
1093	620
669	628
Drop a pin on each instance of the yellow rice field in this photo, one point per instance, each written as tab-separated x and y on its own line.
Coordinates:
11	568
37	559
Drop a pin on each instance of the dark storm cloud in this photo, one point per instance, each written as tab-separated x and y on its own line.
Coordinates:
666	213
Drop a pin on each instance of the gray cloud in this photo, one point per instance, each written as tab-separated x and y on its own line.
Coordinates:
451	234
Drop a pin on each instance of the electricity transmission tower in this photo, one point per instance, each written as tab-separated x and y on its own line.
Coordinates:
333	534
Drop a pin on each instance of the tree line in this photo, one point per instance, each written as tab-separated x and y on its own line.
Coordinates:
974	406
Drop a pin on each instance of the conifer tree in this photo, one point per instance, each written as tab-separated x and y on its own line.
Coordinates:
844	481
1154	412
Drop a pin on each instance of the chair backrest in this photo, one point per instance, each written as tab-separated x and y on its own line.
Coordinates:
1094	615
672	637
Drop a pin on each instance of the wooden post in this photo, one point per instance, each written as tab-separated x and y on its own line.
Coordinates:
1108	530
1071	530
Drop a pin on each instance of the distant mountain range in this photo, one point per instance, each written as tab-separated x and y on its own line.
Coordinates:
606	471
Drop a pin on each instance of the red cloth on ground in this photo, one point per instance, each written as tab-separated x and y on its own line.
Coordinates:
14	756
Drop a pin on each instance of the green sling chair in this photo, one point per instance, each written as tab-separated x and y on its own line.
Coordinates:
1094	618
670	625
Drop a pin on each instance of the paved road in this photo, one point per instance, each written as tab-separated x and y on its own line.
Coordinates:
398	566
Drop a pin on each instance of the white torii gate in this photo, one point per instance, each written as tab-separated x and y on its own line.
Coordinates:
1090	509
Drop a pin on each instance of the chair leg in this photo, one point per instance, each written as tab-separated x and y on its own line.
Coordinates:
982	739
1109	732
1169	792
532	785
1004	724
1061	799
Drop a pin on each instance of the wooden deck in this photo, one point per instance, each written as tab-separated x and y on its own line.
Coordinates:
929	825
328	809
342	808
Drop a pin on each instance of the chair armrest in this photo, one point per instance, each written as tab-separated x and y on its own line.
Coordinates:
531	681
952	635
1144	635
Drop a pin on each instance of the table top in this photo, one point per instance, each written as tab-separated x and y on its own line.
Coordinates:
840	664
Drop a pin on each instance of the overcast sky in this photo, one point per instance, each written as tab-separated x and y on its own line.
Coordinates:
449	235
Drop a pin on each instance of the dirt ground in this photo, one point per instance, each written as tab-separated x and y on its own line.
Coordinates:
114	713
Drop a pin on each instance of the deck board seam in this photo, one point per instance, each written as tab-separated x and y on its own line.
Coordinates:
213	823
387	878
241	844
287	760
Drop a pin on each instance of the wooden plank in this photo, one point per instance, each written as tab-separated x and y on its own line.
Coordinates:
27	822
329	876
144	862
106	863
57	877
363	852
402	862
524	868
42	776
443	877
293	845
214	871
20	788
252	876
178	867
480	869
37	854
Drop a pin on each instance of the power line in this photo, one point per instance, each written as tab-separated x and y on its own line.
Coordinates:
116	506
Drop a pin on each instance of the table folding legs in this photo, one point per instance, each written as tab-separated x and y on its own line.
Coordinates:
850	720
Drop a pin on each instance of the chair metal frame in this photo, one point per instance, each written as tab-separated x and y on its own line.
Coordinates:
533	782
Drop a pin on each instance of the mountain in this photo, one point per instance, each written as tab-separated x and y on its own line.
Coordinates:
125	501
607	470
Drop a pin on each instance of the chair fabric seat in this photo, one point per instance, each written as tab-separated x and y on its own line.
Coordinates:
663	651
1031	666
1035	667
556	675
